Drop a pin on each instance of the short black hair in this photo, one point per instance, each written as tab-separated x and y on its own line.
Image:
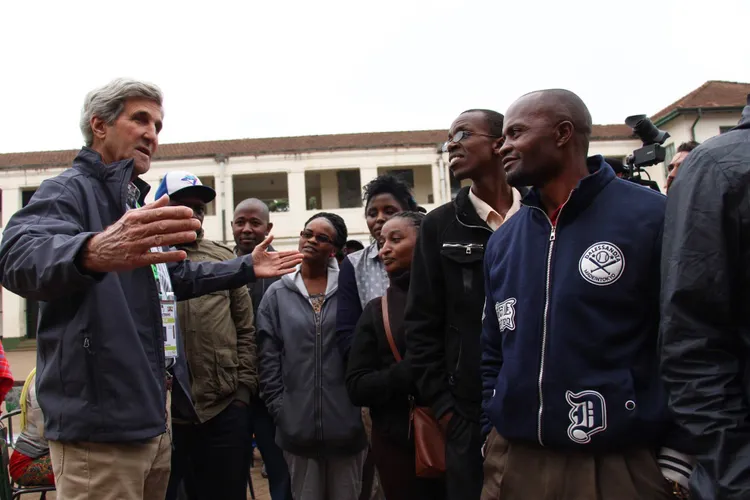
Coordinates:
687	147
494	120
415	218
390	184
338	225
354	245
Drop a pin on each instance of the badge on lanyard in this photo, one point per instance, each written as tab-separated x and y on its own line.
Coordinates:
168	305
169	323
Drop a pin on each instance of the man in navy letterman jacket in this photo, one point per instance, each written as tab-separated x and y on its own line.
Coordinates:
571	389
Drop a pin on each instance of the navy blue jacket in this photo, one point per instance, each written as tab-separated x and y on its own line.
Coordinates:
569	340
100	347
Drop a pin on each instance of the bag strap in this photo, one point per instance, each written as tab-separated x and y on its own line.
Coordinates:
387	325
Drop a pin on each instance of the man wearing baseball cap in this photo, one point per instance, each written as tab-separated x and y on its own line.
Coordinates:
219	338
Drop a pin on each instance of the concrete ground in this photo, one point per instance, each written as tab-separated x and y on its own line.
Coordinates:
22	362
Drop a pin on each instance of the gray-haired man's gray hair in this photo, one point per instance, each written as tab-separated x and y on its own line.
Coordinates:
107	102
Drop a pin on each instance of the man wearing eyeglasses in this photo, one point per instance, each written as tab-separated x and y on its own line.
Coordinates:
444	307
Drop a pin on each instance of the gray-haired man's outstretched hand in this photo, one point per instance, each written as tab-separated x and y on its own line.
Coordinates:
125	244
269	264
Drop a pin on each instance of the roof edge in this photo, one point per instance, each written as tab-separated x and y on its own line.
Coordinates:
703	109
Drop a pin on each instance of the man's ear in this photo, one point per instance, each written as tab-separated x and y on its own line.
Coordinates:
564	133
270	226
98	127
497	144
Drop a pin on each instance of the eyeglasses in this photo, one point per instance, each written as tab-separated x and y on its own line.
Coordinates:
461	135
320	238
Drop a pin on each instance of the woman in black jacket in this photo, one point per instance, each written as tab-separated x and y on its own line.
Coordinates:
374	379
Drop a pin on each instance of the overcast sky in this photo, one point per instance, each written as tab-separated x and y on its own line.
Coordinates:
232	70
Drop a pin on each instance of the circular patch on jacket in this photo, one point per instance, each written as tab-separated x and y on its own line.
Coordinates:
602	264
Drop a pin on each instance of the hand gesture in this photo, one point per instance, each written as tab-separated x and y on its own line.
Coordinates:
125	244
269	264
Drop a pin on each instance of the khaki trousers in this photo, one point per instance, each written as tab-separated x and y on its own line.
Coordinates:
526	471
104	471
113	471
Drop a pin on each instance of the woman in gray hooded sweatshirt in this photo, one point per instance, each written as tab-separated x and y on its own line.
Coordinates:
302	372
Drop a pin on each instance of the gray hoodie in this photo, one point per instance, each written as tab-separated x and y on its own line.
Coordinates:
302	372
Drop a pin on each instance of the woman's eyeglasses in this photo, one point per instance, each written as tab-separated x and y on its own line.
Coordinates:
320	238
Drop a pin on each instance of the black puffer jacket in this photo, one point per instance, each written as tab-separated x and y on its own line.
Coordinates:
444	308
705	324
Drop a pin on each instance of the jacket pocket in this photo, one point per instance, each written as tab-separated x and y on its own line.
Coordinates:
226	365
453	349
513	407
296	418
467	257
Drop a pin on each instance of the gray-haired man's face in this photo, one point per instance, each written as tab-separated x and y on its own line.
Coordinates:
134	134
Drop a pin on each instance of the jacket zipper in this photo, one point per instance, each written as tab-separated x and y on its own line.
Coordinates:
467	246
90	368
158	341
552	236
319	369
475	227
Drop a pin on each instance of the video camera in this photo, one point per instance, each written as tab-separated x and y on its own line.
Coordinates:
650	154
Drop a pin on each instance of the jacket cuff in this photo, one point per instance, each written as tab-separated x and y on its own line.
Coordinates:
78	259
443	405
250	272
243	394
676	466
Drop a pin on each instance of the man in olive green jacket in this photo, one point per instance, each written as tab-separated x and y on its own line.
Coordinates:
210	455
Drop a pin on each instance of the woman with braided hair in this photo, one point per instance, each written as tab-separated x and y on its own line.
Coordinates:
375	378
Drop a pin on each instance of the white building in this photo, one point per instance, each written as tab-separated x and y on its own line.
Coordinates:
298	176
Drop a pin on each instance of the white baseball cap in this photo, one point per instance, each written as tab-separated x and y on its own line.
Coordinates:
186	184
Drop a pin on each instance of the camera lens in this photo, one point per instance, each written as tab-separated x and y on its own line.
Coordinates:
646	130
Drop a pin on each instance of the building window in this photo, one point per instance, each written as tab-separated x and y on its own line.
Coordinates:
405	174
26	195
332	189
350	188
725	129
271	189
